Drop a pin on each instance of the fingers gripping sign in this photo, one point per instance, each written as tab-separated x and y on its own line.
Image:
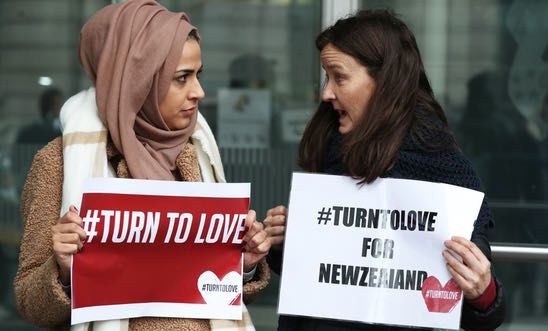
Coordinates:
68	237
275	225
256	242
473	273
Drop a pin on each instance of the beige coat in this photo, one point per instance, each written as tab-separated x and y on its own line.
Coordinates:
39	295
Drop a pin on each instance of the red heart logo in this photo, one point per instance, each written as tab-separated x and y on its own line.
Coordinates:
438	299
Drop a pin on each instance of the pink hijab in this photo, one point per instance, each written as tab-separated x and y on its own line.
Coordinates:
130	51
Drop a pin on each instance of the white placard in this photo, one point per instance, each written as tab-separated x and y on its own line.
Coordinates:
362	253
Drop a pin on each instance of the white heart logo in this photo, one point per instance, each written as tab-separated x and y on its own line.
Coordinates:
220	292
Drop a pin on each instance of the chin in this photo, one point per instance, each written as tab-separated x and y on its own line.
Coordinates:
182	125
344	129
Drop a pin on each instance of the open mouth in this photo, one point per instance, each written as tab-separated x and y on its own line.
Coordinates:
342	113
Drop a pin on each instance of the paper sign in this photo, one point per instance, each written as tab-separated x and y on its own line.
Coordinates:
159	248
373	253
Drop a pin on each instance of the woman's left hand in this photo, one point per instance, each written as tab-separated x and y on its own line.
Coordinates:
256	242
473	274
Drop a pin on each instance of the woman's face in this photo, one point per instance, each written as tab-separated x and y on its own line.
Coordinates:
349	86
181	100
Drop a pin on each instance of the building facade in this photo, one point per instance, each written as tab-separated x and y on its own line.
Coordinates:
487	61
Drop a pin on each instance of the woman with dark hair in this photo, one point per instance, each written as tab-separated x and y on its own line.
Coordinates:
139	120
379	118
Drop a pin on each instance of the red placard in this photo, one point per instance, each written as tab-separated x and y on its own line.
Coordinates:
144	252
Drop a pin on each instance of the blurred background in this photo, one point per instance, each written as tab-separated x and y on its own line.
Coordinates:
487	61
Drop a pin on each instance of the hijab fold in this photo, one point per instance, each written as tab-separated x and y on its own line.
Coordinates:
130	51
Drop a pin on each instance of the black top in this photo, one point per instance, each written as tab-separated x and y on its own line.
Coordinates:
414	162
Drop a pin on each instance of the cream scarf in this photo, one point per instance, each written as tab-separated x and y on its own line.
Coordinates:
84	156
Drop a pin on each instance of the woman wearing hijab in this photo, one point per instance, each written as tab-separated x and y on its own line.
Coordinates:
140	121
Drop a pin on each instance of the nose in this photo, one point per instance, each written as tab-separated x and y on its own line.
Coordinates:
327	93
197	92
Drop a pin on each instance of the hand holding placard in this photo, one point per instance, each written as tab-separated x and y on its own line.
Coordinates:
275	225
256	242
67	237
473	274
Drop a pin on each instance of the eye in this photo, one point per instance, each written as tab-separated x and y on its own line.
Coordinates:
339	78
181	79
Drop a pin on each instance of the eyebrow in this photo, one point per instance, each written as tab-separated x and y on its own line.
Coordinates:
188	71
334	66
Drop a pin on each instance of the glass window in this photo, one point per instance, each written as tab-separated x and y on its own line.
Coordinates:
487	61
488	65
39	69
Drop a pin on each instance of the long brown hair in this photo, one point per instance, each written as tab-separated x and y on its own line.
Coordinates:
403	100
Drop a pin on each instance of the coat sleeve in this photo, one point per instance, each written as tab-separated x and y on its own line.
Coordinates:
462	173
258	283
39	295
472	319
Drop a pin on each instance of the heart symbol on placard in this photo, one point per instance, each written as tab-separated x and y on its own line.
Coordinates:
440	299
220	292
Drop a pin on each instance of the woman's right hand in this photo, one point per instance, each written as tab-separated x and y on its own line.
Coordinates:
275	225
68	237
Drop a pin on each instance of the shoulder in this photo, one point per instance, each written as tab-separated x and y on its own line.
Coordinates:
45	176
52	151
447	166
49	156
429	152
